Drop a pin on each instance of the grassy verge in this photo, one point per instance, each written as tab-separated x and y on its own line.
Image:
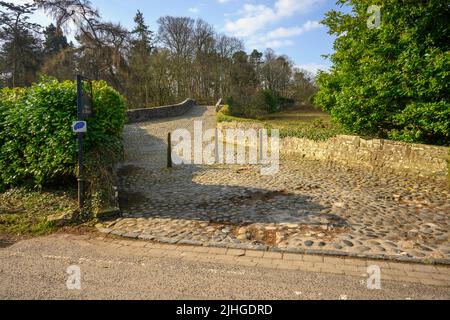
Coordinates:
300	122
223	116
24	212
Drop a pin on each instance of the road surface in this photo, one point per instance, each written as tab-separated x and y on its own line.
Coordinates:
37	269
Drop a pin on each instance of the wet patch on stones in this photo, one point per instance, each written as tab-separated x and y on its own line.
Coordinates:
273	235
260	236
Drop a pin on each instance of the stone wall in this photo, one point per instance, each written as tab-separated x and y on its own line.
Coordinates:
140	115
423	160
375	154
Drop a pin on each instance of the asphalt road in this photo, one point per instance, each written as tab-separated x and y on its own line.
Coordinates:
36	269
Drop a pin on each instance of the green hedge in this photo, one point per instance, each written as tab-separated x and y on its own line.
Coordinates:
37	145
392	81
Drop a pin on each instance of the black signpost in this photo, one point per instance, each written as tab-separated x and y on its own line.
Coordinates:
84	111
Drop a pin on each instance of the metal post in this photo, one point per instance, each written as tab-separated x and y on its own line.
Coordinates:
169	151
80	143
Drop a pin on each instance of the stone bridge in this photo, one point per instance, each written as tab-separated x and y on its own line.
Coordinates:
309	206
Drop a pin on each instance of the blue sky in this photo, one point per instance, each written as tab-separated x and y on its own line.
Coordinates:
289	27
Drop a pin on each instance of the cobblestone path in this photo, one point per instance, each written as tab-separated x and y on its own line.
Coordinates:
308	207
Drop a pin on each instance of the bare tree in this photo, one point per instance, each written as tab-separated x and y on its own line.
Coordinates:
203	37
276	72
204	60
102	44
176	34
303	86
227	46
102	52
78	12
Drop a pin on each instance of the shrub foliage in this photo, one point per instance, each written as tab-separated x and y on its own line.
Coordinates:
259	104
37	145
392	81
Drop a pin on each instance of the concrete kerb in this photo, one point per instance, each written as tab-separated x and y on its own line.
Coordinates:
438	275
323	253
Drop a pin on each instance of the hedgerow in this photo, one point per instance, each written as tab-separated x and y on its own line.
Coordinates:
37	146
391	81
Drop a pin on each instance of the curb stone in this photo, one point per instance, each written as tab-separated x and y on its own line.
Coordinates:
331	253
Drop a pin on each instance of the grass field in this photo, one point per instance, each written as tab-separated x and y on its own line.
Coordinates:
25	212
301	121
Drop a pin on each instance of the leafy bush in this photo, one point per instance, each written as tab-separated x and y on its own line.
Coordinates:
285	102
317	129
259	104
37	145
224	116
393	81
265	101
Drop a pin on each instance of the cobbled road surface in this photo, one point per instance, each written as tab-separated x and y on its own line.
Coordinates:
307	207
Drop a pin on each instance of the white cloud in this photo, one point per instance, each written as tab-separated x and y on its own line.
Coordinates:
278	43
276	38
223	1
287	7
194	10
255	17
262	43
313	67
294	31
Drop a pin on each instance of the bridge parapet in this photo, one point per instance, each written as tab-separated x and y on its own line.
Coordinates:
146	114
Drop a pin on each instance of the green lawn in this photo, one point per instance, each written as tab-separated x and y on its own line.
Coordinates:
302	122
25	212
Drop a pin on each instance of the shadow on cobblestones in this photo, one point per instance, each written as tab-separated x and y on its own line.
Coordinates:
180	204
307	205
174	194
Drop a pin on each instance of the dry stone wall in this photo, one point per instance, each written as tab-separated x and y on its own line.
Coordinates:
141	115
375	154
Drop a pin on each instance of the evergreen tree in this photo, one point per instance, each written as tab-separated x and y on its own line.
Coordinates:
143	36
257	62
54	41
20	48
140	63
